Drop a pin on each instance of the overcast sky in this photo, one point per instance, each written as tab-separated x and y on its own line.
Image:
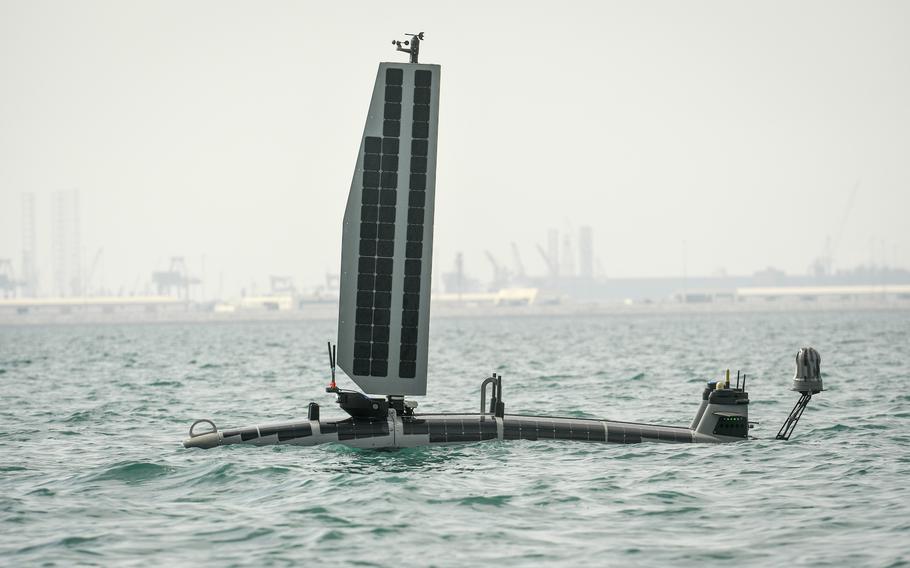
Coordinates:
230	130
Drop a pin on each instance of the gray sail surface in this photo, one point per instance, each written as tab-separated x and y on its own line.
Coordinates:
387	242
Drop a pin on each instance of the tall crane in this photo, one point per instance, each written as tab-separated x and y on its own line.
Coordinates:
552	267
516	258
500	272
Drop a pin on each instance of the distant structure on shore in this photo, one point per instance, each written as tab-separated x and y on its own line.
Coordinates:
572	276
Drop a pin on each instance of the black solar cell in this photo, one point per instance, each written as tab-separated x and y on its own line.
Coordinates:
410	302
409	317
361	367
393	94
412	284
390	145
361	349
386	214
366	265
384	266
418	165
370	197
420	130
380	350
385	248
415	215
412	267
392	111
421	95
382	300
409	334
418	182
385	231
408	353
391	128
364	298
407	369
367	247
417	199
389	180
422	78
371	162
371	179
422	113
389	197
393	76
379	367
413	249
390	163
419	147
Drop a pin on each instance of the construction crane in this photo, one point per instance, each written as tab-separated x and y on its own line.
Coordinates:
87	289
552	267
823	265
175	280
500	272
516	258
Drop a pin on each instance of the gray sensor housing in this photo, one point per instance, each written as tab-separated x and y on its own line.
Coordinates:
808	377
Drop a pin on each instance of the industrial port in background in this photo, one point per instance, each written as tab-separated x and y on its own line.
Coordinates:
573	282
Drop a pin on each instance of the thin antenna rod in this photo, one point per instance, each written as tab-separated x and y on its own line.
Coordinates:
332	363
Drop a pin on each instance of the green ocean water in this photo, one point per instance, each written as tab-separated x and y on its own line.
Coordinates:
92	470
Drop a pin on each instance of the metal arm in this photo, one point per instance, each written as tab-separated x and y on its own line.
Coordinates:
790	423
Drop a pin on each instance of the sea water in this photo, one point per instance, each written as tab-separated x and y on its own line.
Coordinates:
92	470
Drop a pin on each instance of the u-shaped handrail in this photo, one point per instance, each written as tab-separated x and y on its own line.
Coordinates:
200	421
483	395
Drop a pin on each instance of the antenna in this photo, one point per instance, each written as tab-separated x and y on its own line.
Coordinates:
332	385
414	43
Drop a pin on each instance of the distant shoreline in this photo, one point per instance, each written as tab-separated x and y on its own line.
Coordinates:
323	312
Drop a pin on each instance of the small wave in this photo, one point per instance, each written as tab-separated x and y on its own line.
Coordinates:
81	416
483	500
133	472
166	383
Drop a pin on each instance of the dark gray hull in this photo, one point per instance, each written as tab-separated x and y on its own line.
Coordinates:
438	429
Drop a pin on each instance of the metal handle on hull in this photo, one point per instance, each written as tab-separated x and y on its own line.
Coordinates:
497	407
483	394
203	420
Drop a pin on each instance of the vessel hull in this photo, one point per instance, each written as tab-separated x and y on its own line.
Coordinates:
441	429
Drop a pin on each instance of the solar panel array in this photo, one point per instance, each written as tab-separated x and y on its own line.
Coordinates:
417	185
387	241
377	237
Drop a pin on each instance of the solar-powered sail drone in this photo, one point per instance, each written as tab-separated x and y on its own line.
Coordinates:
384	311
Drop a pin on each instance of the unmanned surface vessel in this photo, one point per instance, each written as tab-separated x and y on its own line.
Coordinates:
384	310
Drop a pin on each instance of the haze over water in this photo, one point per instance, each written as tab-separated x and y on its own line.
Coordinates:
92	470
698	136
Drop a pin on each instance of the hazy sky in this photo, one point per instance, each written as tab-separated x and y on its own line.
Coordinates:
230	130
